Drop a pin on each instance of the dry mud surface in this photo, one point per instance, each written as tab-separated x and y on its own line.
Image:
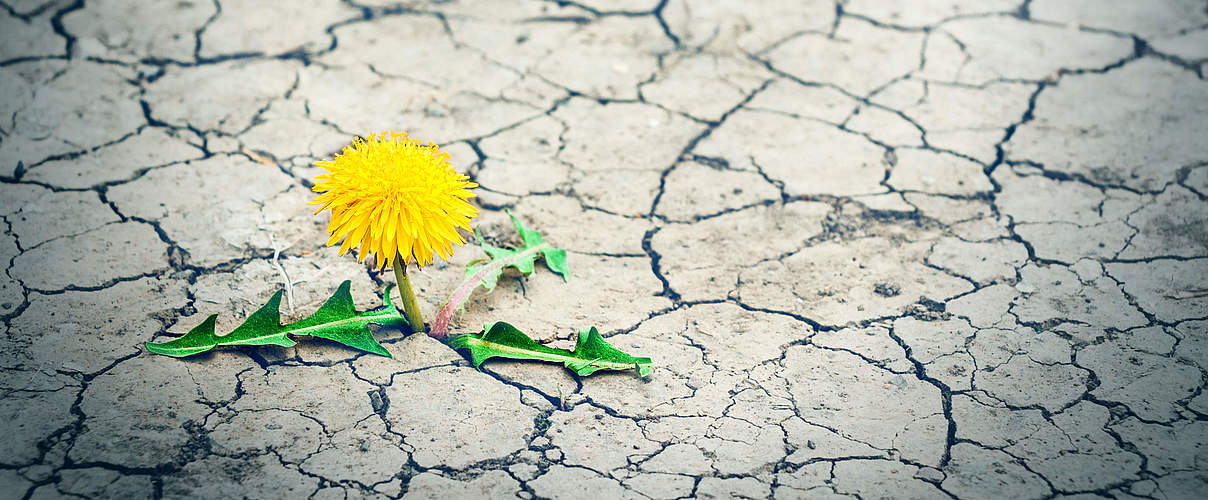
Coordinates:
934	249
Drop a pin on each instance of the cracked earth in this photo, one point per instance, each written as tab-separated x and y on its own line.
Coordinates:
933	249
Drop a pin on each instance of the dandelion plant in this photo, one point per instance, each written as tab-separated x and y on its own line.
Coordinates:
401	202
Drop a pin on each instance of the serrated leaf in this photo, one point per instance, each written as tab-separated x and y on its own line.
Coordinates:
336	320
339	320
522	259
486	272
261	328
592	353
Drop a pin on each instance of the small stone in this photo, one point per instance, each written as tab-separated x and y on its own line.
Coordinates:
523	471
887	289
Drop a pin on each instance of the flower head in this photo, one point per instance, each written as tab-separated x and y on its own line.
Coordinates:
392	196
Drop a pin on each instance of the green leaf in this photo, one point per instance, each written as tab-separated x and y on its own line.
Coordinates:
339	320
522	259
486	272
592	353
336	320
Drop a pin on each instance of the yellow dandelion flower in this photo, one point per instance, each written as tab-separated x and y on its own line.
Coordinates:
393	197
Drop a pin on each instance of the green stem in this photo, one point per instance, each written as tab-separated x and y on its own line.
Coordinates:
410	305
